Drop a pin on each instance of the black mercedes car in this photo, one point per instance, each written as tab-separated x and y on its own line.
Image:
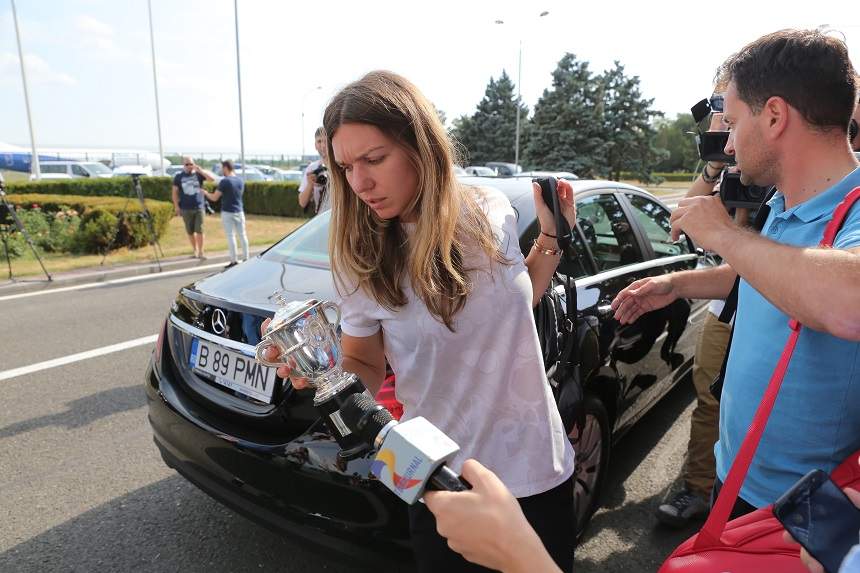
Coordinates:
247	438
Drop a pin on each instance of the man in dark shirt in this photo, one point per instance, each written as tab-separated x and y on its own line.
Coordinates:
189	203
230	191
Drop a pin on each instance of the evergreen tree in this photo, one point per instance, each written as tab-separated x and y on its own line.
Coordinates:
489	134
566	133
674	136
626	119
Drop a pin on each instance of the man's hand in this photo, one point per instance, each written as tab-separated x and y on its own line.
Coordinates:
486	525
176	210
810	563
704	219
644	296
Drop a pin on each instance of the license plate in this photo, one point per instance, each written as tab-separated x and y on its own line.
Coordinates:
233	370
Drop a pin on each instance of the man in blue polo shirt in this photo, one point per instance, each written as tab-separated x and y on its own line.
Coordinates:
789	100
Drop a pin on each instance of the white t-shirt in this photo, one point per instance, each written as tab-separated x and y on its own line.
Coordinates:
484	385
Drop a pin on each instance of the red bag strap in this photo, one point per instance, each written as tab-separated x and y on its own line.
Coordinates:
719	516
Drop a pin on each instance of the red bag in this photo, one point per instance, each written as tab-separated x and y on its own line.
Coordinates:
753	543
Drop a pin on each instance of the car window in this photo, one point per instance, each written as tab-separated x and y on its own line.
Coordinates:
654	219
607	231
78	170
308	245
52	168
576	268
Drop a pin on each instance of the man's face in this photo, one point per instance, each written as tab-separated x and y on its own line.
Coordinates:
322	146
188	164
755	160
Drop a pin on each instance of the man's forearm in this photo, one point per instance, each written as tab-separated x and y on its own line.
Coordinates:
818	287
713	283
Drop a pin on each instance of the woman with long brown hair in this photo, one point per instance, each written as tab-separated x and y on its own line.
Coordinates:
432	280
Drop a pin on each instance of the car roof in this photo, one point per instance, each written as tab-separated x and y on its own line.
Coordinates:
516	188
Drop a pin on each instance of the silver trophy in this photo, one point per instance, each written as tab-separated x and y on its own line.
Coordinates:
301	330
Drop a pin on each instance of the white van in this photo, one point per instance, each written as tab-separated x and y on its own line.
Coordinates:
73	169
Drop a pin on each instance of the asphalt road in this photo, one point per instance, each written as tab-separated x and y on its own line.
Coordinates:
83	488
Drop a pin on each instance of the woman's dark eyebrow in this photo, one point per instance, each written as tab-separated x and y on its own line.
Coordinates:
366	153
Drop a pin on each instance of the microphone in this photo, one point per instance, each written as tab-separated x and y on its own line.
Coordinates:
410	455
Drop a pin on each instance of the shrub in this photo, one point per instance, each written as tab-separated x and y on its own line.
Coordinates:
261	197
91	233
95	232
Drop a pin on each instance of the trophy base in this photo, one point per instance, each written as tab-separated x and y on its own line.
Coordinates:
329	403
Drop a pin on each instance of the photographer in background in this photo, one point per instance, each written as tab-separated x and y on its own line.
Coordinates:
692	501
314	185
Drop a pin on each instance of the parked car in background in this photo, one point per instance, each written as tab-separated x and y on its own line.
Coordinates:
479	171
251	173
504	169
73	170
253	442
173	170
268	171
129	170
557	174
459	170
288	175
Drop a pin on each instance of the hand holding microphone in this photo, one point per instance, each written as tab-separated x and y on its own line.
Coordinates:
486	525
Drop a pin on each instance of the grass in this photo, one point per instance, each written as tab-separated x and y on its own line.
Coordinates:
262	230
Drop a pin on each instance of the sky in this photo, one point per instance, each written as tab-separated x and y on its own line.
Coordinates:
90	72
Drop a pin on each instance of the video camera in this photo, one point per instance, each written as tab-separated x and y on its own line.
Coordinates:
711	144
320	174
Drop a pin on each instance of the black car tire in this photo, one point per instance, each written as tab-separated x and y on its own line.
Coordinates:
591	441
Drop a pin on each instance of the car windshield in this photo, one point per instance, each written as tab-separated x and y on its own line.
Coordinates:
307	245
97	168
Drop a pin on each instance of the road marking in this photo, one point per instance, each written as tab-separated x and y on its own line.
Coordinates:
5	375
101	284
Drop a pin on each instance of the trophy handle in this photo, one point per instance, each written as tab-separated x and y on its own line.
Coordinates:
258	353
329	304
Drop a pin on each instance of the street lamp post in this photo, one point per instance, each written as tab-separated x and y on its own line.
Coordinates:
305	95
519	93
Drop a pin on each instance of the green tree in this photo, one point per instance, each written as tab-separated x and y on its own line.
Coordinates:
626	123
489	134
675	136
566	133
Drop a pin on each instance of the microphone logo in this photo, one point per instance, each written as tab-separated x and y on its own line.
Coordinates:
386	459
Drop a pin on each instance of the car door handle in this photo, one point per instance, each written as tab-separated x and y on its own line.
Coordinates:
605	310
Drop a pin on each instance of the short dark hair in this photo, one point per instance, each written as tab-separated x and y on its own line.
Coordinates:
809	69
227	164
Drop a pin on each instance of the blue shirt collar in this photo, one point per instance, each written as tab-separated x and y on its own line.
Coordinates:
820	205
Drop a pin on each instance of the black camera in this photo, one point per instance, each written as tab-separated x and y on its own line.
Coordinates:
736	195
320	174
711	144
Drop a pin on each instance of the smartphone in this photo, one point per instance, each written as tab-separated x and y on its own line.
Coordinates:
820	517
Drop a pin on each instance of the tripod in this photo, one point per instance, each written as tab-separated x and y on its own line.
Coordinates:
8	219
153	238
